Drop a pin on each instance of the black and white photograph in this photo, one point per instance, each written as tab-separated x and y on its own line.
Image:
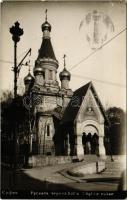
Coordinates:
63	99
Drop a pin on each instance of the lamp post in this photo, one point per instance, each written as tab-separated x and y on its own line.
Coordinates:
16	32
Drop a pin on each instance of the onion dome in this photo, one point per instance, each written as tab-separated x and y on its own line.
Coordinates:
29	79
46	26
65	74
38	70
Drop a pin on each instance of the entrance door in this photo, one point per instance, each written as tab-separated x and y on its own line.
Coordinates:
90	140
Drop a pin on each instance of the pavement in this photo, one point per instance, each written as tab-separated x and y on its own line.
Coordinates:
56	178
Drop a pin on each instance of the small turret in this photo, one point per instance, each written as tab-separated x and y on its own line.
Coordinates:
65	77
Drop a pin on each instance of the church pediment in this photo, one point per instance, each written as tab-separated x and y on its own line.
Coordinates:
85	104
89	109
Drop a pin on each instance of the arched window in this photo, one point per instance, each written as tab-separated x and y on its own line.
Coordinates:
43	73
48	130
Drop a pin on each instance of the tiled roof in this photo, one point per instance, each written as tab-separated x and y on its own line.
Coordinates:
76	101
46	50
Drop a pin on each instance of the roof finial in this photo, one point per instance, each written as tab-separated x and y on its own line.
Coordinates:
28	64
29	68
64	60
46	15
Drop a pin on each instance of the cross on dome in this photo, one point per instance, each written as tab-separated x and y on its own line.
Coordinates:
65	74
46	14
29	68
64	60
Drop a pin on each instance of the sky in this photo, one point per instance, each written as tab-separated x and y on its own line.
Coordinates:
106	68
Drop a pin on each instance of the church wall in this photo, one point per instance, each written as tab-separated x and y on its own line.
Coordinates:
66	101
39	79
65	84
48	103
45	135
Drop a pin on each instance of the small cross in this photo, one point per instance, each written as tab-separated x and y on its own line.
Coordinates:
29	68
28	64
46	14
64	60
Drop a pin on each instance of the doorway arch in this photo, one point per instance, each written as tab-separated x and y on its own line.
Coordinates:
90	128
90	139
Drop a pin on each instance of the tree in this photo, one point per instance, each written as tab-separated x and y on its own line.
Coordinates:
116	130
14	123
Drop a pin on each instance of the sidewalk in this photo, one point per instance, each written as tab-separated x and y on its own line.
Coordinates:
56	178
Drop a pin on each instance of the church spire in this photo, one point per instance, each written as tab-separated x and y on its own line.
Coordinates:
46	65
46	49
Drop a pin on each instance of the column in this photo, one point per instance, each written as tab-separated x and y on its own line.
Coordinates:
101	141
78	139
79	146
101	146
68	145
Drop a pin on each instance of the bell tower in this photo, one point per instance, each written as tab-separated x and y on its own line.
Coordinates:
46	64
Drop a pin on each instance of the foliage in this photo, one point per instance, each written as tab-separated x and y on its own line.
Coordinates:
14	120
116	130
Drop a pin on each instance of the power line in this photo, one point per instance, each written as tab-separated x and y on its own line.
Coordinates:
74	66
11	62
104	82
5	61
81	77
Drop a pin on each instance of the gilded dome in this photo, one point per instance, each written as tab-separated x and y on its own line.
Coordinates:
46	26
29	78
38	70
65	74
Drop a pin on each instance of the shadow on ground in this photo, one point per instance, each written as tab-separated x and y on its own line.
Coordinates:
19	180
25	186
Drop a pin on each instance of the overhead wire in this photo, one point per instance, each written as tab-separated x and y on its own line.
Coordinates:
74	66
96	80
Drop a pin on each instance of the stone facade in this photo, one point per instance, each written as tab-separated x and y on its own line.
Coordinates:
66	123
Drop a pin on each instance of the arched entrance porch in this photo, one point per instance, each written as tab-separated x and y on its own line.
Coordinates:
90	140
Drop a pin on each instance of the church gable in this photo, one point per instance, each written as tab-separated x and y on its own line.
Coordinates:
90	109
79	104
74	104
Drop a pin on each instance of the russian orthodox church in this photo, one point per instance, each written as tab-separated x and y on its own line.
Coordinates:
65	122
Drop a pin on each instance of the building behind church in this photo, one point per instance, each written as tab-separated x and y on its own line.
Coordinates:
65	122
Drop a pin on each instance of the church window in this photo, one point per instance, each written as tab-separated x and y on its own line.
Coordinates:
43	75
50	75
48	130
